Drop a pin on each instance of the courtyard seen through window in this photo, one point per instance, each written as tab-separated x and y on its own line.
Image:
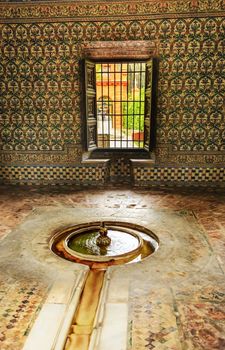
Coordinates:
120	104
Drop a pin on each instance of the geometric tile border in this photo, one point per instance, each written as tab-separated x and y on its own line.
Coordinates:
143	176
41	175
99	174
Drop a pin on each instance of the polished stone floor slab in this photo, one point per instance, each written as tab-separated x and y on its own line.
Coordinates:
175	298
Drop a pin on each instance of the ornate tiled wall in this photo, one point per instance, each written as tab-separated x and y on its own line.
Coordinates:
120	170
45	175
181	176
41	44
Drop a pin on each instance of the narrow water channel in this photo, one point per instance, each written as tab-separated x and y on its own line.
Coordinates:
83	321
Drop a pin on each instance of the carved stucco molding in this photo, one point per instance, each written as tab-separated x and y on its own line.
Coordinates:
71	155
104	10
138	49
165	155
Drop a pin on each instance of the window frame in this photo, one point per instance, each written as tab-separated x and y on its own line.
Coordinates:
153	108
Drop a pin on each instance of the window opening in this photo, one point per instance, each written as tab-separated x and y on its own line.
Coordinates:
120	100
118	105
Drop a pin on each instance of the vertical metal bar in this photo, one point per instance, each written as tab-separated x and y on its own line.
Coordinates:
114	112
133	102
121	142
140	73
145	67
96	103
108	110
127	77
103	136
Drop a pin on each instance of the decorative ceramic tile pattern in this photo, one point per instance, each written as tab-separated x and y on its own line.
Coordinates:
40	82
40	78
120	170
147	176
39	91
191	86
154	324
191	321
95	9
203	319
19	303
54	175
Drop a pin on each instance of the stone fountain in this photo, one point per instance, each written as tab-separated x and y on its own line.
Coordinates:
109	242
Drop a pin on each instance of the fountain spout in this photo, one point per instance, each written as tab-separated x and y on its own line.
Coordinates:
103	240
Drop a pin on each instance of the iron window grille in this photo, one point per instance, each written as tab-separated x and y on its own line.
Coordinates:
118	100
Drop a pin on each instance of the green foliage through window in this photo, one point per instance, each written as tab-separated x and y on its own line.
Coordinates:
133	112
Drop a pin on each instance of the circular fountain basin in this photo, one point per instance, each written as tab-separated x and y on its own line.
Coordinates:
129	243
82	244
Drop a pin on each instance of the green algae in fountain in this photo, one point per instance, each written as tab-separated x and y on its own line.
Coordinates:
103	242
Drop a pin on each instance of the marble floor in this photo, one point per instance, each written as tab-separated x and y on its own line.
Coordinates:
175	299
